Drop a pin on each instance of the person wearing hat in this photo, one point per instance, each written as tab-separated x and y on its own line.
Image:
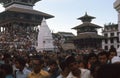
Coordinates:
37	71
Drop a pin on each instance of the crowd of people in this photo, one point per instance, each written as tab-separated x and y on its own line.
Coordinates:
59	65
18	39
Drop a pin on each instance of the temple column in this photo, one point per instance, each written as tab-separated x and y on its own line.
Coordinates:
117	7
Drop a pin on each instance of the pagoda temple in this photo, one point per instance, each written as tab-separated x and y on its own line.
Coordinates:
87	35
19	24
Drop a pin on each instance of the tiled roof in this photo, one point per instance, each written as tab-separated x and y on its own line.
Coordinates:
21	10
87	35
34	1
86	24
86	16
66	33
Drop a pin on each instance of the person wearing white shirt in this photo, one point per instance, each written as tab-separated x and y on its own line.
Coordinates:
22	74
75	72
22	71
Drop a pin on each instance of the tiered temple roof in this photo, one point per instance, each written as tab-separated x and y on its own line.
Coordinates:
86	19
86	27
20	10
87	24
7	3
87	36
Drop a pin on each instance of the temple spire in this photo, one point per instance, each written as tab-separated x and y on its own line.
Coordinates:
86	18
45	40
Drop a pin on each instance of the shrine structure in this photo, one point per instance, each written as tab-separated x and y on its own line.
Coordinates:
19	24
87	36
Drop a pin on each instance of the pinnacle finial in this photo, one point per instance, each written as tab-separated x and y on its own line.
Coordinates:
86	13
43	20
86	18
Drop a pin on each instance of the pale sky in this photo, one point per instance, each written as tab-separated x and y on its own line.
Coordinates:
66	12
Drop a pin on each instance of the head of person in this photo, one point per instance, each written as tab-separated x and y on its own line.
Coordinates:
64	68
103	57
6	58
53	65
82	64
73	66
6	69
20	63
111	54
72	63
108	71
92	58
94	68
38	63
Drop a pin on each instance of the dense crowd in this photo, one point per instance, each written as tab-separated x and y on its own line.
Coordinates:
18	39
59	65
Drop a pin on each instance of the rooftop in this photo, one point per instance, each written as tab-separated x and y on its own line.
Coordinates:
87	24
21	10
7	3
86	18
87	35
66	33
